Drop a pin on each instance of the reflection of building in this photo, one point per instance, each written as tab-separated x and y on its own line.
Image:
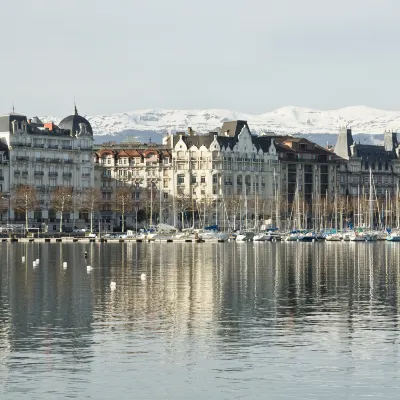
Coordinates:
47	156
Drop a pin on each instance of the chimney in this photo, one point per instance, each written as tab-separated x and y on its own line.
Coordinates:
390	141
343	143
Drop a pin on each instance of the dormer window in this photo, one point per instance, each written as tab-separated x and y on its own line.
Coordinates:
14	126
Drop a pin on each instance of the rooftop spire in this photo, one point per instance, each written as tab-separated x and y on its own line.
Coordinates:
75	109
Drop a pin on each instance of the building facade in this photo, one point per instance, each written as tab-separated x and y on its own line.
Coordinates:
226	178
138	172
370	168
45	156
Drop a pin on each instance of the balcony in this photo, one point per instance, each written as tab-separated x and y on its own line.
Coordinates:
54	160
67	147
68	161
53	174
67	175
17	173
25	173
107	189
22	158
39	173
38	145
86	175
53	146
40	159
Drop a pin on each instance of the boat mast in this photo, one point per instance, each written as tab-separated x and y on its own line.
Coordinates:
371	216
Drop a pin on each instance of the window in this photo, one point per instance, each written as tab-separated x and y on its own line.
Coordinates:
193	179
181	179
203	179
215	179
165	195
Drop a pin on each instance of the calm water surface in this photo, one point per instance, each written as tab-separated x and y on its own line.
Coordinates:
220	321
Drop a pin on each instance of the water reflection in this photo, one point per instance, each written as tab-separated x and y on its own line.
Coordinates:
230	314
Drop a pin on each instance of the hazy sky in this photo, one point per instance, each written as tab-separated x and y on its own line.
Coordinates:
250	56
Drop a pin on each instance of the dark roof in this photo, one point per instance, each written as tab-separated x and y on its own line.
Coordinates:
374	154
227	137
233	128
72	124
5	121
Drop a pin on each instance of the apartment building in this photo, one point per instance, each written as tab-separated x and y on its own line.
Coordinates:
46	156
143	172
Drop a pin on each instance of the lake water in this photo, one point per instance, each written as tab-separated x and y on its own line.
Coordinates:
217	321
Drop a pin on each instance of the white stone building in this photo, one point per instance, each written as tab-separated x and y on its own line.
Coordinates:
227	178
46	157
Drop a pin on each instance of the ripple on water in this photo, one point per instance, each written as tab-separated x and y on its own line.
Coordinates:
272	321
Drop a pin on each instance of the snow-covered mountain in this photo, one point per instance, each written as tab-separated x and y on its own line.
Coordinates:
283	120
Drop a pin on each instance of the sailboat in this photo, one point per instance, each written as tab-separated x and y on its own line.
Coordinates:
357	236
371	236
246	235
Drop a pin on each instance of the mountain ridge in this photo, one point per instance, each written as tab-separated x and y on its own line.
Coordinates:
284	120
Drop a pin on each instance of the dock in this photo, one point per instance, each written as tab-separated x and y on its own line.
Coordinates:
108	240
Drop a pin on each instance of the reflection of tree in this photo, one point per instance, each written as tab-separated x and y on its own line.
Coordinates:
123	203
25	200
91	203
61	201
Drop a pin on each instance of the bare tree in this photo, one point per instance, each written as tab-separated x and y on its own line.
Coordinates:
204	207
123	203
61	201
25	200
91	203
150	201
233	204
183	204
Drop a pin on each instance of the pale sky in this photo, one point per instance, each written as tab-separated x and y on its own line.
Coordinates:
243	55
